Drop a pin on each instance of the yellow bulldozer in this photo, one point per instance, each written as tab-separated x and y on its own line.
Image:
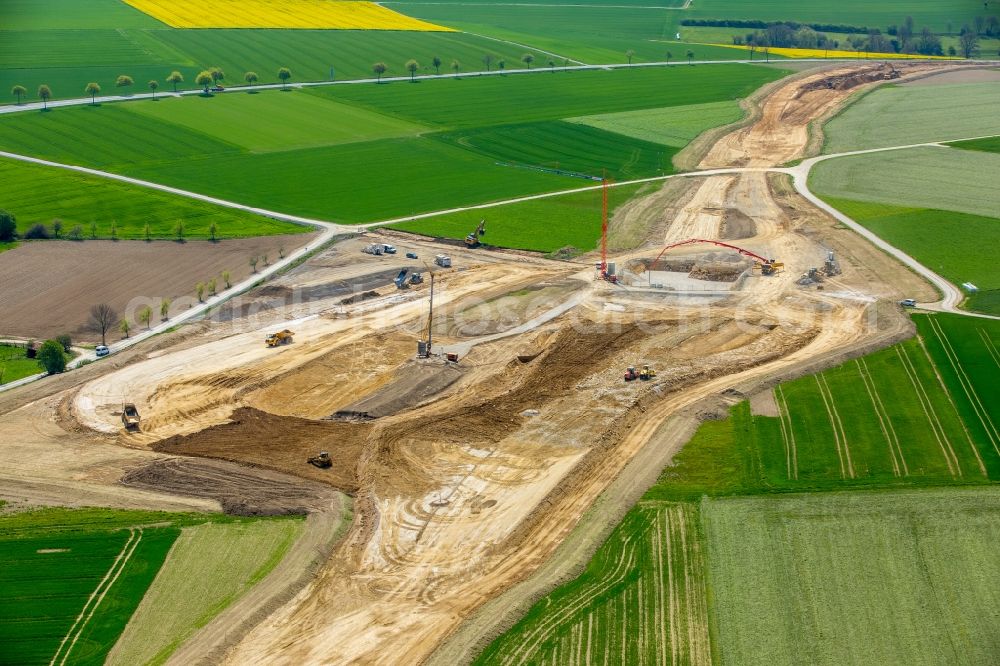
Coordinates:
646	373
279	338
322	460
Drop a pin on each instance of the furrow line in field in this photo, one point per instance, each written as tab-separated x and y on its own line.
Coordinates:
833	427
135	536
840	426
866	380
970	391
550	623
667	531
954	406
783	414
932	419
661	594
990	347
888	419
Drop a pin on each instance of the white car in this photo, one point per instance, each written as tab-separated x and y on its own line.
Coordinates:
101	350
908	303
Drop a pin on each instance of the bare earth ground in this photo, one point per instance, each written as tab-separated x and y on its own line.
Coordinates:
466	489
69	277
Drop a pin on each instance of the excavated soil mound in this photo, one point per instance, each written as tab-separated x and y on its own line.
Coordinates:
281	443
242	491
851	79
572	356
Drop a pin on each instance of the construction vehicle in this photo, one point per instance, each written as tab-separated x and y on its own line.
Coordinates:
279	338
416	278
388	249
322	460
646	373
374	249
769	267
472	240
443	260
130	416
400	279
630	374
411	255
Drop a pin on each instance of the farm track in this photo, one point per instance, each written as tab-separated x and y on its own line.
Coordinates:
899	467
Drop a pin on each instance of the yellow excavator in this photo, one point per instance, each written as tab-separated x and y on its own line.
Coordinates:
279	338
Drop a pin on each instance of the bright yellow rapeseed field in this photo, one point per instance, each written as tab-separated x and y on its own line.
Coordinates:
314	14
834	53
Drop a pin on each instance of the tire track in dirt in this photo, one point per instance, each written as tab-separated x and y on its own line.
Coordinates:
885	423
932	419
970	391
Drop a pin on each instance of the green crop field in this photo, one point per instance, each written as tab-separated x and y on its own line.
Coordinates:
906	416
14	364
37	195
544	225
308	121
597	34
671	126
641	600
918	113
947	242
180	143
568	147
72	578
210	566
71	581
502	100
888	578
989	145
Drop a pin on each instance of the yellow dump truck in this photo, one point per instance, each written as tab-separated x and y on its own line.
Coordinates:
279	338
130	416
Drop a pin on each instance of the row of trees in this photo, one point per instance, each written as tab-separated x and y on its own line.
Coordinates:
209	77
104	318
8	230
898	39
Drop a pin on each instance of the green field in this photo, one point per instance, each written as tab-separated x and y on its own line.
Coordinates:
68	43
670	126
544	225
908	415
465	161
641	600
72	578
888	578
989	145
55	560
14	364
918	113
38	195
306	122
941	178
598	34
780	576
210	566
944	241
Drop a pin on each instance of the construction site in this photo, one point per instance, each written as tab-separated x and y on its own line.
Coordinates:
473	402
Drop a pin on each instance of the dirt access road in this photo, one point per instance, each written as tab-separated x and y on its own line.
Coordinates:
463	497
